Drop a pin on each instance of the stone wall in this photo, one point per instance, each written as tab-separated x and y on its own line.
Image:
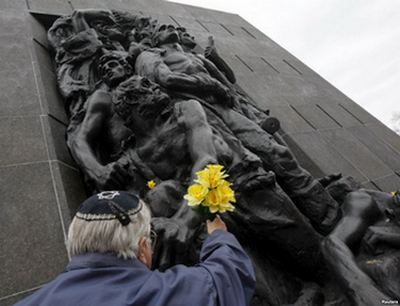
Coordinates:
40	185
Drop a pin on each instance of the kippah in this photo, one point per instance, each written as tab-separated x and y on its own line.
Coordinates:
110	205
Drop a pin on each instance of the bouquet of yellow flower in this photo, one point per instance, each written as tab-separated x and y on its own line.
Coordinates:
211	193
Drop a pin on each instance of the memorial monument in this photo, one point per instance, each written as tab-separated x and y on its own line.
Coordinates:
132	92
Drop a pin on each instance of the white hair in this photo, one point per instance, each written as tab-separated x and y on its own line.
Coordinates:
109	235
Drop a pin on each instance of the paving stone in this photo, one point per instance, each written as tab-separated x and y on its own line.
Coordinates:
21	140
33	249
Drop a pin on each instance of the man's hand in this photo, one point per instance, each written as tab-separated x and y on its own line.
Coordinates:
216	224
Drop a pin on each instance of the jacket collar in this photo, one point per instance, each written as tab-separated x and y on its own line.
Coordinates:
97	260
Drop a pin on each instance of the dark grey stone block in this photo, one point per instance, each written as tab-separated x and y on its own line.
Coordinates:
228	18
165	19
258	65
369	185
276	60
70	189
190	24
357	111
62	7
357	153
305	161
21	140
383	151
238	65
388	183
340	115
239	31
42	56
19	5
199	13
316	117
215	29
164	8
291	121
85	4
258	90
33	249
11	300
38	31
52	102
18	88
326	155
56	140
386	135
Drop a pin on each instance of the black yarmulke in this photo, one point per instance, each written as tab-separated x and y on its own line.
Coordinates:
109	205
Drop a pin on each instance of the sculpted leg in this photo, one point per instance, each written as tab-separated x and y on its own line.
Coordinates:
199	135
308	194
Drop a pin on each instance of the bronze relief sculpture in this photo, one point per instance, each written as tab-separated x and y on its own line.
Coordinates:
144	106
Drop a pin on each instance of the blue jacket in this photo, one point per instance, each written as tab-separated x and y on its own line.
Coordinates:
224	277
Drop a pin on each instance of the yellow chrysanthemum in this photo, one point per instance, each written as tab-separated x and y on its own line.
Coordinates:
151	184
196	194
225	192
211	190
211	177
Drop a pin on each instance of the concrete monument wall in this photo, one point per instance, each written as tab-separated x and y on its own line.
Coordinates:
41	186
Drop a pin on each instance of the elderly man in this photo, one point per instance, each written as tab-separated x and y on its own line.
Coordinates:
109	241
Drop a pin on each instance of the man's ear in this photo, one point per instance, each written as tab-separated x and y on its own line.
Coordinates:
142	251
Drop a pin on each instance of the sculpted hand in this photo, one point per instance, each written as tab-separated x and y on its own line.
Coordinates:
372	238
174	239
211	50
111	176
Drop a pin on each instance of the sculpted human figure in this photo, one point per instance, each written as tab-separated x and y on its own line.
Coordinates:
264	212
184	74
364	248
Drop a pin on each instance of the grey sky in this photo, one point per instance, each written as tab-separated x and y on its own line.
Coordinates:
354	44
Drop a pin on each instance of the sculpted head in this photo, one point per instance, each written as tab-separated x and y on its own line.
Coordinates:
165	34
114	68
60	31
186	39
139	101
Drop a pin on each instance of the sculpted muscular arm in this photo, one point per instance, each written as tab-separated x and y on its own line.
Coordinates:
151	65
84	144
